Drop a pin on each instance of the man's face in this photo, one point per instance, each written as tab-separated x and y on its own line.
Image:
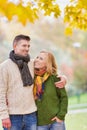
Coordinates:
22	47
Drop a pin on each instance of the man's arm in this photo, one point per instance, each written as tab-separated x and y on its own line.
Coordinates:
62	82
4	116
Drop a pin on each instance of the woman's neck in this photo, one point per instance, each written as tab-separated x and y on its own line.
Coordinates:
40	71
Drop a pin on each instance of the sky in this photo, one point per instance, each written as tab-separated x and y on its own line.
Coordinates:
62	3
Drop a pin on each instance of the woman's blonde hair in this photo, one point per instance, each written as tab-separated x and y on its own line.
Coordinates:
51	63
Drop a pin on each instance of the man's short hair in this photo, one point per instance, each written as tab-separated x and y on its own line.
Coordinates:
21	37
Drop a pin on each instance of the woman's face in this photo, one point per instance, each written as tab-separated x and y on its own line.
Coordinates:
40	61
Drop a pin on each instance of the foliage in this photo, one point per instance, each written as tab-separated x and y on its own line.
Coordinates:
30	11
23	13
49	7
75	14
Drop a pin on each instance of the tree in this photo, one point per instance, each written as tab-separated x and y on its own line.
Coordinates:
80	76
80	69
28	11
75	14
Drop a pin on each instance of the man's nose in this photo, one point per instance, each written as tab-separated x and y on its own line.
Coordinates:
27	48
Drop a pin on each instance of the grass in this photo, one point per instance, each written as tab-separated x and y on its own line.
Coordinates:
76	121
78	99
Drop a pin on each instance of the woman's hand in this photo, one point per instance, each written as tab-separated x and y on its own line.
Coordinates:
62	82
57	119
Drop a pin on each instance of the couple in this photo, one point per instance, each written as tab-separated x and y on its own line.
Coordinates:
21	91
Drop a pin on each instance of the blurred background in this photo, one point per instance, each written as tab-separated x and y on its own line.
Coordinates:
70	53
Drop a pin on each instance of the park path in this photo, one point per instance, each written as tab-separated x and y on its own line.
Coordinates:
78	108
77	111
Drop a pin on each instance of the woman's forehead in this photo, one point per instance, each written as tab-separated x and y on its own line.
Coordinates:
43	54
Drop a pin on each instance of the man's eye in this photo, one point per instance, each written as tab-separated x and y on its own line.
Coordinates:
41	58
28	46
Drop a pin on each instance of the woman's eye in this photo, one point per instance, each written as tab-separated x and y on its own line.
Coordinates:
40	58
37	57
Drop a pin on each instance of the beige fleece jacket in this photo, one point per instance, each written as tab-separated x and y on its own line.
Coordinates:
14	98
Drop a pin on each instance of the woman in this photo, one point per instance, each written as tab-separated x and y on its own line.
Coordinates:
51	102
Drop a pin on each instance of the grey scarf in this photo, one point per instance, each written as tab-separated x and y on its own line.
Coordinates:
22	62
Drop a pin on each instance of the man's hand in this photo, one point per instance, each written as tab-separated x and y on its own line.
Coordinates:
62	82
6	123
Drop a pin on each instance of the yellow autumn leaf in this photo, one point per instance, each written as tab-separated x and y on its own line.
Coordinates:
75	14
68	31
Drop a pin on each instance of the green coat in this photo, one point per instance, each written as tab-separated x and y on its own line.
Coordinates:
54	102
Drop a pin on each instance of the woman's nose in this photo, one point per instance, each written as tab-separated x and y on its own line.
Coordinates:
36	60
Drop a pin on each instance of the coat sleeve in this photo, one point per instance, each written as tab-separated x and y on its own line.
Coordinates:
62	94
63	99
3	92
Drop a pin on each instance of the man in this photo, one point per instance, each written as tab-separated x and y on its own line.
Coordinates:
17	105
